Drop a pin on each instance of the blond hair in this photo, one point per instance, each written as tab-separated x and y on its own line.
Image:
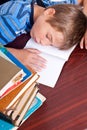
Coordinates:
71	21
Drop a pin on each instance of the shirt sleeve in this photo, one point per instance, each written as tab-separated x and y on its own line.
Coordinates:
9	28
53	2
14	20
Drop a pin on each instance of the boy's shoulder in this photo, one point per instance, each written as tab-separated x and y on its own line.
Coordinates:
53	2
15	2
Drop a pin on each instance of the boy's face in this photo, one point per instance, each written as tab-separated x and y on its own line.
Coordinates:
43	33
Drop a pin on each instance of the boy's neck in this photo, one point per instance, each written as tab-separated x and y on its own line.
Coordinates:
38	10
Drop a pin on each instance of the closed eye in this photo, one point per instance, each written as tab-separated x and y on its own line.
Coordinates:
49	37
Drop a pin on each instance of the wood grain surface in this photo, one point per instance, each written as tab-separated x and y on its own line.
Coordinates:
66	104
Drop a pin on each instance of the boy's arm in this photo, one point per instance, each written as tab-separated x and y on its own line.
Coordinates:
29	57
84	4
83	43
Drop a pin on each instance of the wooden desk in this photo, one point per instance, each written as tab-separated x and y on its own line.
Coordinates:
66	104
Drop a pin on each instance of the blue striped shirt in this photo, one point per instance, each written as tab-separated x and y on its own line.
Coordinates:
16	17
52	2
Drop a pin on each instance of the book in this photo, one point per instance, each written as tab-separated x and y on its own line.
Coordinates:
10	74
8	100
17	111
27	72
24	94
18	114
6	54
55	61
5	123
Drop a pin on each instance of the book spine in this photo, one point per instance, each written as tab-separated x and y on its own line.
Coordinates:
19	109
35	77
28	104
22	102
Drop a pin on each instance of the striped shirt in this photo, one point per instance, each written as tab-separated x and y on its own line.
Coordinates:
53	2
16	17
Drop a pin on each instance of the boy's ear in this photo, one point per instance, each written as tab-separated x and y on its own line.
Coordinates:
49	11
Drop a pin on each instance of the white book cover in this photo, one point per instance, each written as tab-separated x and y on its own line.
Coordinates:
55	61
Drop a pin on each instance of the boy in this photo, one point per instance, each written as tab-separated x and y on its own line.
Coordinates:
45	3
42	17
64	25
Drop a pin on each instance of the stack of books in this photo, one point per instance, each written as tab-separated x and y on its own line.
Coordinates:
19	92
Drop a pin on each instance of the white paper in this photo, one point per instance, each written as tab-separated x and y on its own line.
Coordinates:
55	61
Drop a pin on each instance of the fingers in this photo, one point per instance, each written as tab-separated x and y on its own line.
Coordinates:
82	43
34	50
85	40
38	67
34	60
37	63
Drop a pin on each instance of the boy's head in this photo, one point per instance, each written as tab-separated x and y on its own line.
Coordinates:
61	26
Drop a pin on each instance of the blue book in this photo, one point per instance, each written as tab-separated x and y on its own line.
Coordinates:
8	55
31	76
5	124
28	72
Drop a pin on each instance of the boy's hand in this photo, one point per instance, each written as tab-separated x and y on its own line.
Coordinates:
83	43
30	58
